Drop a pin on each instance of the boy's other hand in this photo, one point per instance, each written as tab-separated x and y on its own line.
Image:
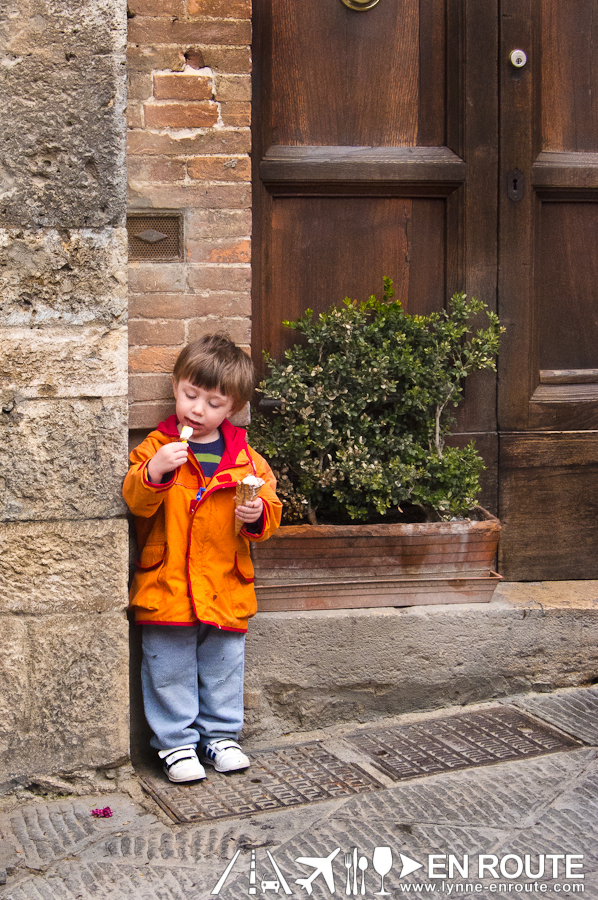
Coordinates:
168	457
250	511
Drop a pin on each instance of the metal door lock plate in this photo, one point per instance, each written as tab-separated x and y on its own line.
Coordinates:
515	185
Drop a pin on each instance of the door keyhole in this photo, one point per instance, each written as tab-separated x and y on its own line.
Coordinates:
515	185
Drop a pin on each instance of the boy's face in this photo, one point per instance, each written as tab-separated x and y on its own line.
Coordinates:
203	410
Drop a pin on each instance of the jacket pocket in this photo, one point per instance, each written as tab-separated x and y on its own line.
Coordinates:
244	569
152	556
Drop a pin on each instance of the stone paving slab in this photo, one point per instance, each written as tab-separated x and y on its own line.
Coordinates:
504	796
574	711
571	823
38	833
544	805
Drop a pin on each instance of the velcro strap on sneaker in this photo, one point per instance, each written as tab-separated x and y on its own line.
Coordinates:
177	755
224	744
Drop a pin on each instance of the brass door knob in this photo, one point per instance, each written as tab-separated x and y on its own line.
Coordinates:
360	5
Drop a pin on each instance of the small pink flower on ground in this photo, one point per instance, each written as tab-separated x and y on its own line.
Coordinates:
102	813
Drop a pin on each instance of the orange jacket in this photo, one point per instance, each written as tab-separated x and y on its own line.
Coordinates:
192	567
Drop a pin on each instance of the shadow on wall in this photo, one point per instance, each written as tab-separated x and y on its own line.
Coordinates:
140	731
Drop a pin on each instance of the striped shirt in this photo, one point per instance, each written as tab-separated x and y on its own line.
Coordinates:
208	455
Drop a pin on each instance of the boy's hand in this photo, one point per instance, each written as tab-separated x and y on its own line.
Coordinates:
168	457
250	511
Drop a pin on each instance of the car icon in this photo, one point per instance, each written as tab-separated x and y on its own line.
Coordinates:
270	886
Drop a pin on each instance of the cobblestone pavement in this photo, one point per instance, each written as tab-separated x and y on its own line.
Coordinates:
523	827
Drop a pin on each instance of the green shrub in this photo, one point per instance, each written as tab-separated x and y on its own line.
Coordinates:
364	411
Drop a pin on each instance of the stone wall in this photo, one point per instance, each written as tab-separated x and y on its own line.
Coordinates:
188	151
63	404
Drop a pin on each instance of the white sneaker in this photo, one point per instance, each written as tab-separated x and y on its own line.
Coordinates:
182	764
225	755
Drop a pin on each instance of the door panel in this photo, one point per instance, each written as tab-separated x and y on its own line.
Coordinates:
378	235
340	78
548	288
567	286
569	75
375	154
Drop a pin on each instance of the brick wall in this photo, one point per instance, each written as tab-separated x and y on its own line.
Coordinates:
189	64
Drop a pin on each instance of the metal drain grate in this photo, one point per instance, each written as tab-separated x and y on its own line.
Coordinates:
458	742
277	779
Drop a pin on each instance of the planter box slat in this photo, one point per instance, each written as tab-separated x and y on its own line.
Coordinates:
351	566
300	555
376	593
398	562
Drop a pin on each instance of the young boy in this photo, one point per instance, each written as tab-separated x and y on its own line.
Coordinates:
193	588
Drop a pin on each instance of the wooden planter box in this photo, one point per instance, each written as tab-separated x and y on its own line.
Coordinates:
352	566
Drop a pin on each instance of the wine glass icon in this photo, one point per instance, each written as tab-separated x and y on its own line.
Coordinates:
382	860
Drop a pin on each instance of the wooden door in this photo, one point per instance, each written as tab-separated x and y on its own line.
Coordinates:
375	154
548	289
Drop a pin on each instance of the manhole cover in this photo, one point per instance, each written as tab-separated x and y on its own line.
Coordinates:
458	742
277	779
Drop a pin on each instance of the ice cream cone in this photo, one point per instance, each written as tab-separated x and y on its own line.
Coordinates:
247	490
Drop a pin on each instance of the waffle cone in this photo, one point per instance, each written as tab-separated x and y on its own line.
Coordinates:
245	492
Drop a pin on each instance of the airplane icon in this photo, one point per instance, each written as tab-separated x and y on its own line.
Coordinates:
322	867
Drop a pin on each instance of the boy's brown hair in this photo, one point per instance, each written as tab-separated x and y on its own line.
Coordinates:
215	363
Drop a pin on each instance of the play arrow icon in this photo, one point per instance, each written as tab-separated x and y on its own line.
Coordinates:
409	865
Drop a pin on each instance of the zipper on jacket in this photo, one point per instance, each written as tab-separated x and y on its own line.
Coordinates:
201	494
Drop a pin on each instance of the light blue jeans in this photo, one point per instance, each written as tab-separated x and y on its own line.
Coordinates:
192	681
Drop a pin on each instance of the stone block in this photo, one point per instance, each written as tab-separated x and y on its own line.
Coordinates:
14	681
71	706
63	362
66	277
62	92
319	668
63	567
62	459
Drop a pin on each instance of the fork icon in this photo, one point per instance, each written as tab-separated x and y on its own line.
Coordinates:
348	865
